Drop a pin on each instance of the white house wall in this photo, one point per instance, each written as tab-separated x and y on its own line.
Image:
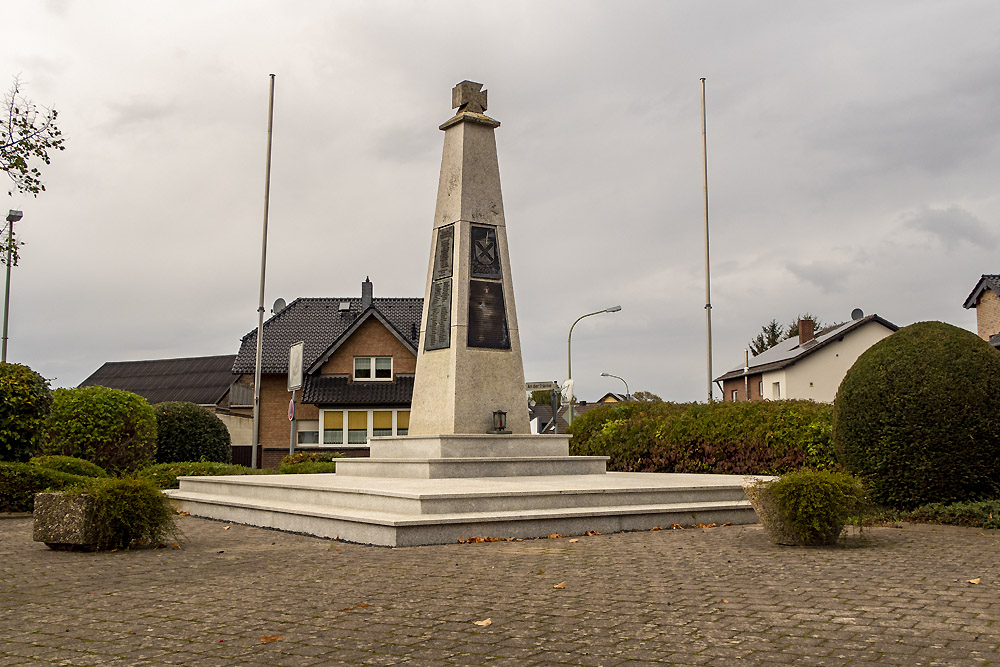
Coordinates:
769	380
818	375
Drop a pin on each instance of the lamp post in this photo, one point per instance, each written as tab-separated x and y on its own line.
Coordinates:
609	375
12	217
569	355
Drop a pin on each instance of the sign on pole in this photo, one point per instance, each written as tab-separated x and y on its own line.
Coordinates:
541	386
295	366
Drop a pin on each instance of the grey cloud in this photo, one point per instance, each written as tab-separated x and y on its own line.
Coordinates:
951	226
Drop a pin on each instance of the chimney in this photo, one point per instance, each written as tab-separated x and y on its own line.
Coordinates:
806	331
366	294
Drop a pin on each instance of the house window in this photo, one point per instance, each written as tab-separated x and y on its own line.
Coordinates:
776	390
403	422
381	422
357	427
760	389
333	428
308	432
373	368
736	395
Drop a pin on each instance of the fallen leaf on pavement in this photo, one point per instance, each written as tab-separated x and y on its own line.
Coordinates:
267	639
973	581
226	527
561	584
484	622
554	536
725	601
574	540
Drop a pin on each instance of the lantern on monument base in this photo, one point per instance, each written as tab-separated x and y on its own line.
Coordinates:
500	421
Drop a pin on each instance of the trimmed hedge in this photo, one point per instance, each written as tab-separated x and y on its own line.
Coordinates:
979	514
25	400
19	482
164	475
113	428
758	437
189	432
918	417
70	464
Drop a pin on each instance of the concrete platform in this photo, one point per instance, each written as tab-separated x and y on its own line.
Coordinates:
398	511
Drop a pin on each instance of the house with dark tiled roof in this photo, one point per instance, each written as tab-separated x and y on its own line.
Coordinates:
358	360
985	298
808	367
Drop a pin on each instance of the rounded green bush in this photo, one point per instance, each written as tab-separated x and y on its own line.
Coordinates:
70	464
25	400
918	417
189	432
128	512
113	428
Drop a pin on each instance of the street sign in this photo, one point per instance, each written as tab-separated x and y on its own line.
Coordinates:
295	366
291	410
541	386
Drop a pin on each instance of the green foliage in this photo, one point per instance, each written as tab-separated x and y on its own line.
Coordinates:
918	417
70	464
645	397
25	400
164	475
19	482
128	512
309	462
773	333
26	136
189	432
113	428
978	514
808	507
761	437
544	397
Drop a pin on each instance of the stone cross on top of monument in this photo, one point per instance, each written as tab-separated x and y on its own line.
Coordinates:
468	96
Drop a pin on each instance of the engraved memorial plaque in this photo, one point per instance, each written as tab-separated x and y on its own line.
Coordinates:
485	253
487	315
444	252
438	336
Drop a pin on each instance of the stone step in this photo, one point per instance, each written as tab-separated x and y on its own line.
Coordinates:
467	446
444	468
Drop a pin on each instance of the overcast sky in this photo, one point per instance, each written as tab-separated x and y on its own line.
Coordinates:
853	155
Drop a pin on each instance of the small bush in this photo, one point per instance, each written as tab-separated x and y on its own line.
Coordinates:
70	464
164	475
25	400
113	428
189	432
128	512
760	437
918	417
807	507
307	467
19	482
980	514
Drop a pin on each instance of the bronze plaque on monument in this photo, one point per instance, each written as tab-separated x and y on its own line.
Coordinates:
438	336
485	253
487	315
444	252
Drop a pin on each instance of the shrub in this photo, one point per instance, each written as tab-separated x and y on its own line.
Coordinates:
918	417
25	400
309	463
19	482
807	507
164	475
189	432
72	465
113	428
128	512
761	437
980	514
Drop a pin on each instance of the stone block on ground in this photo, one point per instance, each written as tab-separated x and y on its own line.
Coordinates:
64	522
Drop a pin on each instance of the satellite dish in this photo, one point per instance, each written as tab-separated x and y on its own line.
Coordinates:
279	305
857	314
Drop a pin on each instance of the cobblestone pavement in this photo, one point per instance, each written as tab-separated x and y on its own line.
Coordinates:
714	596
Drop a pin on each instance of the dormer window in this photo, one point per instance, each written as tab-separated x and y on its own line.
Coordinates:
372	368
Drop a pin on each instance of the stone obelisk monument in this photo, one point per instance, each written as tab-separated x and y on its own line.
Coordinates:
469	357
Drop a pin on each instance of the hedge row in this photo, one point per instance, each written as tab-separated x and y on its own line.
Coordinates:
765	437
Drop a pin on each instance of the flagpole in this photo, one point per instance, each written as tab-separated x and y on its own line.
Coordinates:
260	305
708	280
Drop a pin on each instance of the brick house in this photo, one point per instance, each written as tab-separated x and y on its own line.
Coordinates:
359	357
808	367
985	298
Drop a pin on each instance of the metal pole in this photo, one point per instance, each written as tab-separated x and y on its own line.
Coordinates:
708	280
569	354
6	294
291	435
260	306
618	377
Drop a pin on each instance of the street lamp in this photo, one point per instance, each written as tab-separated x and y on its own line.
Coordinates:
609	375
569	355
12	217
